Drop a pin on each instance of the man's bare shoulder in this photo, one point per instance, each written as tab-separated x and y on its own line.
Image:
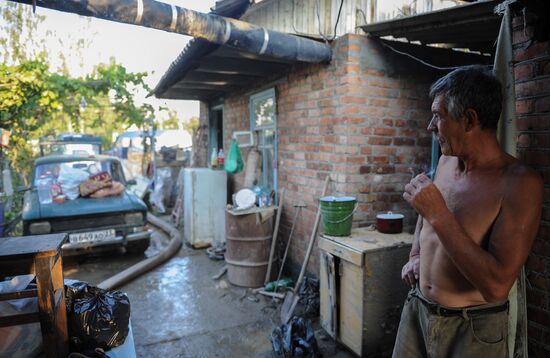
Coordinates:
523	183
519	173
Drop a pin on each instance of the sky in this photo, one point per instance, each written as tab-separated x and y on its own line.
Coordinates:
137	48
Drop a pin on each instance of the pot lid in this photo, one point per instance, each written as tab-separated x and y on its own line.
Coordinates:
390	215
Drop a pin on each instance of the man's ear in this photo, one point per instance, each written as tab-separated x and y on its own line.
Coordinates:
472	119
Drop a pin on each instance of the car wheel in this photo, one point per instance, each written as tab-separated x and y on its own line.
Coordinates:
137	247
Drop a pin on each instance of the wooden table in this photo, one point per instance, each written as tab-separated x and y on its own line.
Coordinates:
39	255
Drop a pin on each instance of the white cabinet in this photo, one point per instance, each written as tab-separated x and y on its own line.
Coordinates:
204	202
361	289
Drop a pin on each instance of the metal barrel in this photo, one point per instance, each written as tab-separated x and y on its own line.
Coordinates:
248	241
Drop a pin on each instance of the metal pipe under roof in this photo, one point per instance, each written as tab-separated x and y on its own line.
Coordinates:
213	28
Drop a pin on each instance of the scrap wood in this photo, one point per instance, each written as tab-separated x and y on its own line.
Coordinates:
220	273
272	294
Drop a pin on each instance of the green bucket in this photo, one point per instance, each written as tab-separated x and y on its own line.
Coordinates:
337	214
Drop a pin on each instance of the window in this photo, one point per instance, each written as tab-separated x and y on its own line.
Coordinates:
263	123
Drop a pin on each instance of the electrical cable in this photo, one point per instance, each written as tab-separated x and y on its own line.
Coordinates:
417	59
317	6
337	19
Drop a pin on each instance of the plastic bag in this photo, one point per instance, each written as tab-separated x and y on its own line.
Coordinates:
97	318
19	341
295	339
164	180
234	161
69	179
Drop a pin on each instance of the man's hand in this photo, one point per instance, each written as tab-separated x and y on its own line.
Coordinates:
411	271
422	194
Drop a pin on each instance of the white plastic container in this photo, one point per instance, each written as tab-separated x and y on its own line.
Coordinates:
204	203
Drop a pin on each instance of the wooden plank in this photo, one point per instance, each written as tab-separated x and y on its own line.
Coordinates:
342	251
52	337
351	307
20	247
324	295
18	295
23	318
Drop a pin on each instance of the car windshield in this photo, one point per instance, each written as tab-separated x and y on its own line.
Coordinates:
89	167
71	148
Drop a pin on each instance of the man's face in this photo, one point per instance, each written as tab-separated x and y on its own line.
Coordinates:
446	128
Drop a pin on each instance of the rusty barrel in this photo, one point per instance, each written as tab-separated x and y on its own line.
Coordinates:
248	241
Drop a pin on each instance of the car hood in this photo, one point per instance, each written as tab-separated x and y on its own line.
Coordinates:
81	206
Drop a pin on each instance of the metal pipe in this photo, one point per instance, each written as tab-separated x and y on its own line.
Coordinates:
217	29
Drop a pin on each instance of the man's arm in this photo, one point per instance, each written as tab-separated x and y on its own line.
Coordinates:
492	271
411	271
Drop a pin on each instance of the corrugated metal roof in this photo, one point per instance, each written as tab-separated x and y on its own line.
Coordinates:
473	26
190	58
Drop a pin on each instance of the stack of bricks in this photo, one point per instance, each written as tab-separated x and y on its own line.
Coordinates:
532	86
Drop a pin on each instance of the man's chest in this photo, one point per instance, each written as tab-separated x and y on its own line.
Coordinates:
475	202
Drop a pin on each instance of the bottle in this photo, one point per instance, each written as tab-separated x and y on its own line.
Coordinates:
44	189
221	159
55	189
214	160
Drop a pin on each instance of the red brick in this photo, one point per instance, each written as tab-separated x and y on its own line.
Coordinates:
533	51
542	104
384	131
539	316
535	158
533	122
403	141
519	37
536	263
535	297
379	141
364	169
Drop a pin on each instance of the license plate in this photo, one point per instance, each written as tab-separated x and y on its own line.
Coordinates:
92	236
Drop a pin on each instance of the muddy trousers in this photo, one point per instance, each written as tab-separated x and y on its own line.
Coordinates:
431	330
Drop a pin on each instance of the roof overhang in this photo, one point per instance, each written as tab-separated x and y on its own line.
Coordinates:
206	71
472	26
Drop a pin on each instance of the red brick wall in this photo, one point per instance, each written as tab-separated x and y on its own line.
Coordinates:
532	77
360	119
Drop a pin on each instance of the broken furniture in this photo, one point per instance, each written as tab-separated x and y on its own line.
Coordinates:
39	255
248	243
361	288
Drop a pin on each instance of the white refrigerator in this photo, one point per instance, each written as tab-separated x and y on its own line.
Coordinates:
204	204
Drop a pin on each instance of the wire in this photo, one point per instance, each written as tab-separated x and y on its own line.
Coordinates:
317	6
417	59
337	19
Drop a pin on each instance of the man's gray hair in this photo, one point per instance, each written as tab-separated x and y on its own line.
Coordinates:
471	87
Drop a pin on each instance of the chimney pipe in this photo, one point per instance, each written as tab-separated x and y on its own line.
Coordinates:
217	29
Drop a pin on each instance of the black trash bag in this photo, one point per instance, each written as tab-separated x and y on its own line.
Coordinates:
309	297
97	318
295	340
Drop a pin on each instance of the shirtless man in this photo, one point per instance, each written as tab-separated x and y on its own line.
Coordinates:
477	222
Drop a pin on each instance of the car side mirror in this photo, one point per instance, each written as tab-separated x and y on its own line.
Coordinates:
22	188
131	182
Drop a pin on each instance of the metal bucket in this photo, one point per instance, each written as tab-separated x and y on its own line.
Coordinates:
337	214
248	241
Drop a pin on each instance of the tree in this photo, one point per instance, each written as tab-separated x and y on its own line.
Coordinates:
191	125
172	122
17	28
35	102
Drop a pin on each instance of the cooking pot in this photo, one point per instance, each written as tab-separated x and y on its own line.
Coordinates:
389	223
